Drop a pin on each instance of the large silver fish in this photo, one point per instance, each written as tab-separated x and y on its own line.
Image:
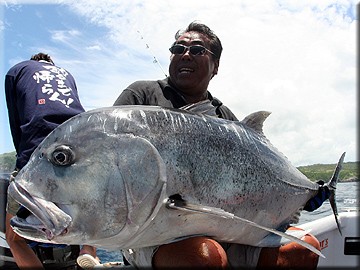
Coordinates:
136	176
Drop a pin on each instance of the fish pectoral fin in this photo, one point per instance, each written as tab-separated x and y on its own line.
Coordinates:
275	238
281	234
177	203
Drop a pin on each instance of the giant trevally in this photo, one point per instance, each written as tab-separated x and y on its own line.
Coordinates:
137	176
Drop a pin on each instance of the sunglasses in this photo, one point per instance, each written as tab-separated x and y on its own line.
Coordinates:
193	49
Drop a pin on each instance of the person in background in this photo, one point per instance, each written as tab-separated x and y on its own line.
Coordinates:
195	58
39	97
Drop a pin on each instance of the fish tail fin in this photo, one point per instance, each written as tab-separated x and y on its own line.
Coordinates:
327	191
331	185
334	179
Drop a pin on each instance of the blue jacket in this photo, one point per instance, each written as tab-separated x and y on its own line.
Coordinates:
39	97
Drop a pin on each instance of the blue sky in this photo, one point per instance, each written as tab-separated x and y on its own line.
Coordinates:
296	59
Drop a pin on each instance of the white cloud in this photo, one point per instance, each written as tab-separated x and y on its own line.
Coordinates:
94	47
294	58
30	2
64	36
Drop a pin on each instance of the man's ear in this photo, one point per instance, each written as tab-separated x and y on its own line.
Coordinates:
216	68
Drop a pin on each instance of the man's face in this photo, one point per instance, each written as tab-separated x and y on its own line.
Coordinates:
190	73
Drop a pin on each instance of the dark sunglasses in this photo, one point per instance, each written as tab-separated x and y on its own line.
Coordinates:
193	49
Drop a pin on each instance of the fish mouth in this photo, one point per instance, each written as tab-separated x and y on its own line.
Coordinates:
45	220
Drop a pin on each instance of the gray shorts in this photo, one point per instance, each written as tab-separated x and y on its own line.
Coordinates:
238	255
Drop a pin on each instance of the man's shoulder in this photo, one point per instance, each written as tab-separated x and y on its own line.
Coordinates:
28	65
145	88
144	92
146	85
19	66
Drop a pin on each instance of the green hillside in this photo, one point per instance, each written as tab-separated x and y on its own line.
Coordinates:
7	162
349	172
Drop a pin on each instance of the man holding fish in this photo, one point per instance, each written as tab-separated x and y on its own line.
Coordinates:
178	184
195	57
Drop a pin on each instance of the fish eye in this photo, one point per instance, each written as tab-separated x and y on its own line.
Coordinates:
63	156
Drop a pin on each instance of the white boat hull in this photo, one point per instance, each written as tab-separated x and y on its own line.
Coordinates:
340	250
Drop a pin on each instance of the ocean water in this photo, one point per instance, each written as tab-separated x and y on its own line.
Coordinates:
346	197
109	256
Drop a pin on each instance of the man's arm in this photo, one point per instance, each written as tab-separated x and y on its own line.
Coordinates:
24	256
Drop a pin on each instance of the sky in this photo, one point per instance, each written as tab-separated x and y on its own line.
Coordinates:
296	59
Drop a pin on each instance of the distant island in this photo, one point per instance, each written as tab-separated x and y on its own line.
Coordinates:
7	162
316	172
349	171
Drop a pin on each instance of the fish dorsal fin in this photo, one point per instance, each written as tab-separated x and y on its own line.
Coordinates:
256	120
202	107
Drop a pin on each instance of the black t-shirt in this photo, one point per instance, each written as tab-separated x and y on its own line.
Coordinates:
161	93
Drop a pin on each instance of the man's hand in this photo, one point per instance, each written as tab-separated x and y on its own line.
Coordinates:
316	201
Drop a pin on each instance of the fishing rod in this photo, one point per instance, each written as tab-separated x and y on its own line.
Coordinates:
155	61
